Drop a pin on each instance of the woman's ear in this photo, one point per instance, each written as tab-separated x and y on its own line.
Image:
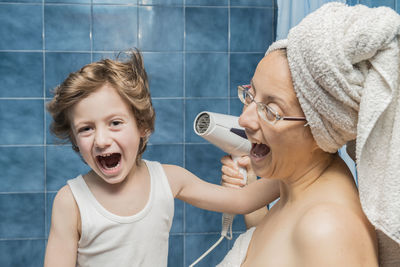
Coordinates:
351	149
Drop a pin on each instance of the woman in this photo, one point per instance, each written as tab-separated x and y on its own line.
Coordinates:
318	220
335	79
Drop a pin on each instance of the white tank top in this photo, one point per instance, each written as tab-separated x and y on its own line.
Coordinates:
139	240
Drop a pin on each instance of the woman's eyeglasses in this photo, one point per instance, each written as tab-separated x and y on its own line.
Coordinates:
267	113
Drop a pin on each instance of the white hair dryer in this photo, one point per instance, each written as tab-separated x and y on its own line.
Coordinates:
224	132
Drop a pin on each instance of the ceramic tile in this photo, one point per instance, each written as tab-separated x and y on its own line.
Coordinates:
259	3
161	28
377	3
24	33
164	153
206	80
22	169
67	27
62	164
242	68
206	29
69	1
107	31
23	122
206	2
22	216
169	121
13	66
252	29
160	2
175	251
59	65
20	253
165	73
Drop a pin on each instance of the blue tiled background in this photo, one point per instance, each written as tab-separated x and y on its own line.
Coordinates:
196	52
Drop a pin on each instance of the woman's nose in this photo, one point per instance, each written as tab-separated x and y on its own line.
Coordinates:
102	139
249	117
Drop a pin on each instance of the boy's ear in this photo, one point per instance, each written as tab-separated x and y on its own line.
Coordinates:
144	133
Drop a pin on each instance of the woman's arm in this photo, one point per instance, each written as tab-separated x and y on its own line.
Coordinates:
231	177
62	244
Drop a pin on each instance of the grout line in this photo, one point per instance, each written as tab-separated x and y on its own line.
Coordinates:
229	56
23	239
91	30
44	119
184	126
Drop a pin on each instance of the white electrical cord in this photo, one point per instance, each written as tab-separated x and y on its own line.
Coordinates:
227	221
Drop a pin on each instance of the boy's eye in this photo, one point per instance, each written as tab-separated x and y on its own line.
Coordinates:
84	129
116	123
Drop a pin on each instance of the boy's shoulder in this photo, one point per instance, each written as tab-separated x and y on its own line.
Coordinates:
64	198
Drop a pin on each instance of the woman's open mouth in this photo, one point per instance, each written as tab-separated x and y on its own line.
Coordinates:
259	151
109	163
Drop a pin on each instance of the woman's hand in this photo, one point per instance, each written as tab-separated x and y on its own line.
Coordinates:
231	176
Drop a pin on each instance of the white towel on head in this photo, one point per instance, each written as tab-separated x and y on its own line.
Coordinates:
345	64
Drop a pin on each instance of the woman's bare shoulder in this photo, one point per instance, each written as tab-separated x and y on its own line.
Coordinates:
330	232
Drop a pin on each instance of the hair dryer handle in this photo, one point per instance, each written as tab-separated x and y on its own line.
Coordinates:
227	219
242	170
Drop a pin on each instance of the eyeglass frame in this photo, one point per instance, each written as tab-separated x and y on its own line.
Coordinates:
261	106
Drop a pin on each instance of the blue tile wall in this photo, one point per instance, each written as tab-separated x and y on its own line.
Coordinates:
161	28
206	29
244	22
107	31
206	75
59	65
22	169
22	215
376	3
24	33
67	27
29	66
22	252
165	71
195	52
22	122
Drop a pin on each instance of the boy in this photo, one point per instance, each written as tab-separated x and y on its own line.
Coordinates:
120	213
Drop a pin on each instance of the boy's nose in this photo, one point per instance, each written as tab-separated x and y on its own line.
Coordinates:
249	118
102	139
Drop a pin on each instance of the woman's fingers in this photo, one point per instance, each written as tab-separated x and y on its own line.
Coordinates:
228	171
233	181
230	185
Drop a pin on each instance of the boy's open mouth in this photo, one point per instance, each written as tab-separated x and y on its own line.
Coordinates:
109	161
259	150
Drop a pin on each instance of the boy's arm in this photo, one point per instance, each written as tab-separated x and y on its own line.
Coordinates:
62	244
193	190
231	177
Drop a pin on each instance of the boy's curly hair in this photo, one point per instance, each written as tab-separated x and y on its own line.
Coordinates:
128	77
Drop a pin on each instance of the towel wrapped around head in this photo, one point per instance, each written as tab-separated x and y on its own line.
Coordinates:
345	64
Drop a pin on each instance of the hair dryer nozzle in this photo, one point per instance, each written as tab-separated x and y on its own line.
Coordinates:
223	131
202	122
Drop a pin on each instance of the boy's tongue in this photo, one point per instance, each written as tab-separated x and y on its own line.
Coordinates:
110	161
259	150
